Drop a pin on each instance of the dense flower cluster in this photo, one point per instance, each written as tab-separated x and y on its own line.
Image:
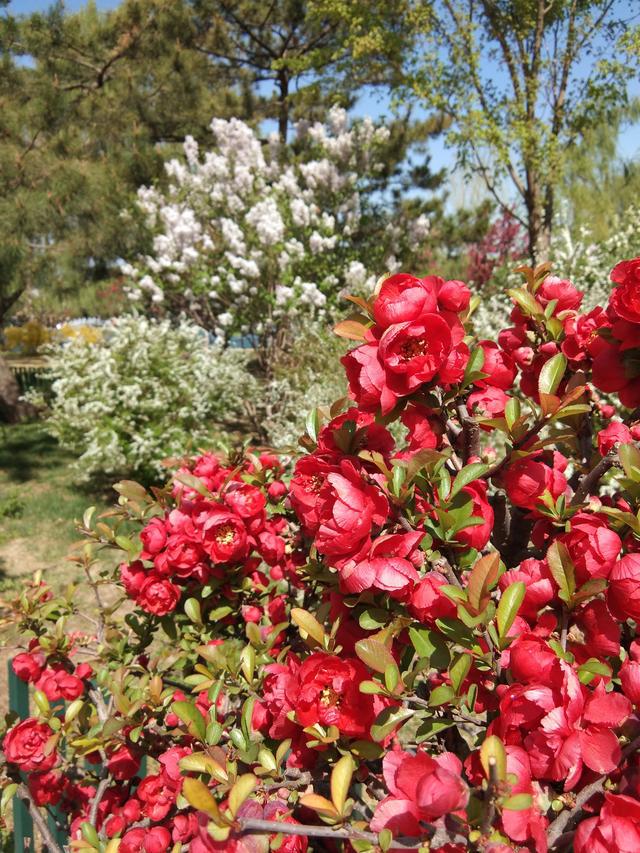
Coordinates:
423	629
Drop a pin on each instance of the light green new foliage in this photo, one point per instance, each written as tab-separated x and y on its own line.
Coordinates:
148	392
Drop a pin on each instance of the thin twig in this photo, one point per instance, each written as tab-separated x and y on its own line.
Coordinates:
251	825
53	846
591	479
569	817
95	803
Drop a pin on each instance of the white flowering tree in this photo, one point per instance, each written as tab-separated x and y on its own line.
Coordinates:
252	235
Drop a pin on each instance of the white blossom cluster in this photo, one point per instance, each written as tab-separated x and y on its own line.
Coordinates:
590	263
250	232
147	392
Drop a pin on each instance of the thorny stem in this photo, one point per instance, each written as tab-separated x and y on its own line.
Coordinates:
564	629
569	817
591	479
250	825
50	842
470	433
490	805
95	803
517	445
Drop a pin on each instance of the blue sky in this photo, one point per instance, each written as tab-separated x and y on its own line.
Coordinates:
370	103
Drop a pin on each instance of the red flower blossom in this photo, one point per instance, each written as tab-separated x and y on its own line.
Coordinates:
349	509
328	693
27	746
616	827
422	788
225	536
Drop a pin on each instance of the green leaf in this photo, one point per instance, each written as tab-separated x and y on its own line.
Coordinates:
430	728
530	306
388	720
482	578
441	695
562	570
551	374
191	717
591	668
630	461
508	607
467	475
375	654
192	609
90	835
430	645
459	670
314	422
241	790
194	483
512	411
518	802
308	623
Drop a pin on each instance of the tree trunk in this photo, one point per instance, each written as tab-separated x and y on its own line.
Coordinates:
283	105
11	409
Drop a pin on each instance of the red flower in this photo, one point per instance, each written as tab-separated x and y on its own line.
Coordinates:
578	732
154	536
328	693
425	428
540	586
561	291
404	298
623	594
354	431
57	683
477	536
157	793
452	295
247	501
366	377
26	745
309	477
349	509
592	546
158	595
630	680
498	365
225	536
422	788
387	566
412	353
123	763
426	602
46	788
616	827
28	665
527	479
488	402
582	338
625	299
612	435
155	839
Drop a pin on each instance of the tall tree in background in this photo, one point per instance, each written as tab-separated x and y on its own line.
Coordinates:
287	54
89	104
521	80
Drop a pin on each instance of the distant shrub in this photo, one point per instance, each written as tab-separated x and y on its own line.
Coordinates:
147	391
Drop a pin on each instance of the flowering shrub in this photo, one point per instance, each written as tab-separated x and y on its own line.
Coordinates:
147	391
249	236
383	645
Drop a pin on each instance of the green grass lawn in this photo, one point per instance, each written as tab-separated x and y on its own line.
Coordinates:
39	504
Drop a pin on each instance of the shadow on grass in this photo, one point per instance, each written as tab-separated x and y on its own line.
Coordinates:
26	449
